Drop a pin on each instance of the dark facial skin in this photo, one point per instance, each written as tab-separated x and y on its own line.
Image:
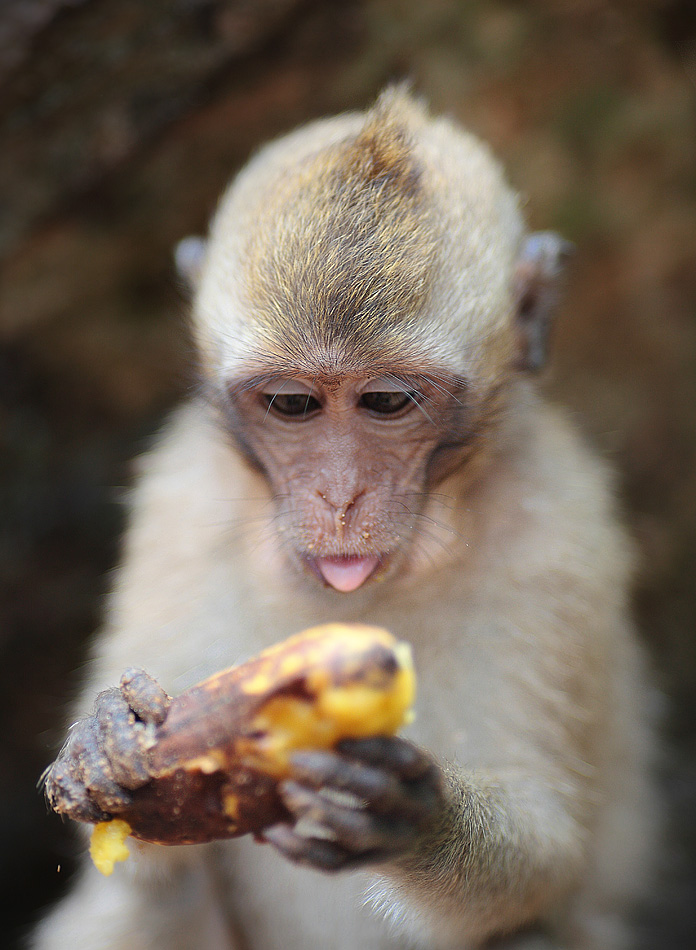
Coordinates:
348	458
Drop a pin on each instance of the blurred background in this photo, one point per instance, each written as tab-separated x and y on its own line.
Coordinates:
121	122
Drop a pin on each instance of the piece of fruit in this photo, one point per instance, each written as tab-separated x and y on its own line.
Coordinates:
215	761
107	845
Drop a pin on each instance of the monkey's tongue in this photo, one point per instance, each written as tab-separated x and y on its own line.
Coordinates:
346	573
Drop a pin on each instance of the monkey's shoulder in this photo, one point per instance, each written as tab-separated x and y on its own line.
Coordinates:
551	502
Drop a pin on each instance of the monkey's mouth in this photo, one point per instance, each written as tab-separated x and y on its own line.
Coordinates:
344	574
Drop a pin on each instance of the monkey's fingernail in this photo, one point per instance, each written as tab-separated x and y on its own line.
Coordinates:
321	854
406	760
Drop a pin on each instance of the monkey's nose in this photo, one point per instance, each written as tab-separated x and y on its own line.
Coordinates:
340	510
339	505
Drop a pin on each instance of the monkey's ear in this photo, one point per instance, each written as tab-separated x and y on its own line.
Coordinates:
188	258
536	287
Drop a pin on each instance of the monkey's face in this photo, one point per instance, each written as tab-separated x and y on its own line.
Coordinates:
356	317
349	459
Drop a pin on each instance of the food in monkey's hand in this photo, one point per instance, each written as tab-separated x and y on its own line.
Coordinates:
207	763
107	846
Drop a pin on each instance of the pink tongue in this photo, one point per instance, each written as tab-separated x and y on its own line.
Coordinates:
346	573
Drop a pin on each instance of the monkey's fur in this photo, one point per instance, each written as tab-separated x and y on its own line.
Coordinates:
388	245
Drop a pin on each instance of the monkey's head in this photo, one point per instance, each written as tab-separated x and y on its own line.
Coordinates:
364	301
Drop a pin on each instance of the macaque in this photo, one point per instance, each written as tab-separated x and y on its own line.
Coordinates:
368	445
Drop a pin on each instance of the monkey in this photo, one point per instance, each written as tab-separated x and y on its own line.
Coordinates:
369	444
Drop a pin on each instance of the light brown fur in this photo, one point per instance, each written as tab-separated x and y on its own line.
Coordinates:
511	581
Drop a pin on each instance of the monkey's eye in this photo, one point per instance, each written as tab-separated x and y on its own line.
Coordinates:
291	398
291	404
388	396
387	403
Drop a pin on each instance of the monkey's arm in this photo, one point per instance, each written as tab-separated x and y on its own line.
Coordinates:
505	851
494	836
487	851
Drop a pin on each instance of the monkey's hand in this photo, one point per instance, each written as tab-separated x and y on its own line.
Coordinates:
105	756
372	800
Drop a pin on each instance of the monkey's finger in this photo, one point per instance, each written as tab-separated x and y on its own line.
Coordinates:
68	795
82	762
108	795
313	852
357	830
91	766
400	756
145	696
122	740
382	791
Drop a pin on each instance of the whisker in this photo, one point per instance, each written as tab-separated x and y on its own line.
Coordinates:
418	399
417	527
421	407
444	391
447	501
268	407
309	396
441	525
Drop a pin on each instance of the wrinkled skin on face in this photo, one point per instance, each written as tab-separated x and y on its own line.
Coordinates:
349	457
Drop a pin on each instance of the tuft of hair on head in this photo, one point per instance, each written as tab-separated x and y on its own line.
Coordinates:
382	152
341	257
